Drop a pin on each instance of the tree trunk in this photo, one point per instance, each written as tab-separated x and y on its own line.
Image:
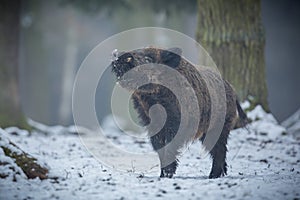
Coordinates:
232	33
10	108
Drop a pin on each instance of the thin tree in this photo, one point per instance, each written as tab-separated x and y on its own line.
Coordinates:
10	108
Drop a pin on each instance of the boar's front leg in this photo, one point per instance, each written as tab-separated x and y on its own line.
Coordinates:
162	139
167	157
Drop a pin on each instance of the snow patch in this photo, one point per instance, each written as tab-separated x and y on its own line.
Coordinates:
258	113
292	124
245	105
16	130
262	164
8	168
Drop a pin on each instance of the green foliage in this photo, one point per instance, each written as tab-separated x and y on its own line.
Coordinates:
10	111
6	121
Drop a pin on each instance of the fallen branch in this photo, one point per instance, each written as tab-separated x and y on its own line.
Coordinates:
26	162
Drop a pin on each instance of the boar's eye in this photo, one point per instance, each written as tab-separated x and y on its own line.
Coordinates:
129	59
148	59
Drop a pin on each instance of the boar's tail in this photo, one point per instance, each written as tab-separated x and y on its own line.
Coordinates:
243	119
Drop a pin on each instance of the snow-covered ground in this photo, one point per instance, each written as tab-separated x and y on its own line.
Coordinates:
292	124
264	163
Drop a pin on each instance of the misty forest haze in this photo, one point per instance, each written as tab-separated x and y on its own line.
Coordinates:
56	37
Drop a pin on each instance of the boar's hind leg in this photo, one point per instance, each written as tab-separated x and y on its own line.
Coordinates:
218	154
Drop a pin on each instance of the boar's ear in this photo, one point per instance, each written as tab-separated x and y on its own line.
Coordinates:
171	57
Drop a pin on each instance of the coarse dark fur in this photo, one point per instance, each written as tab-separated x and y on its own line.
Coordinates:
150	94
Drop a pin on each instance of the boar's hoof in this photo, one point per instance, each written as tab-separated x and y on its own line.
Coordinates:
166	174
169	170
218	172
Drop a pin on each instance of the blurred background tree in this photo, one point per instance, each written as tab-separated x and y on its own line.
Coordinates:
232	32
54	37
10	107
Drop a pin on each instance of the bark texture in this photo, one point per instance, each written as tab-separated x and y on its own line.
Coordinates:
232	32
